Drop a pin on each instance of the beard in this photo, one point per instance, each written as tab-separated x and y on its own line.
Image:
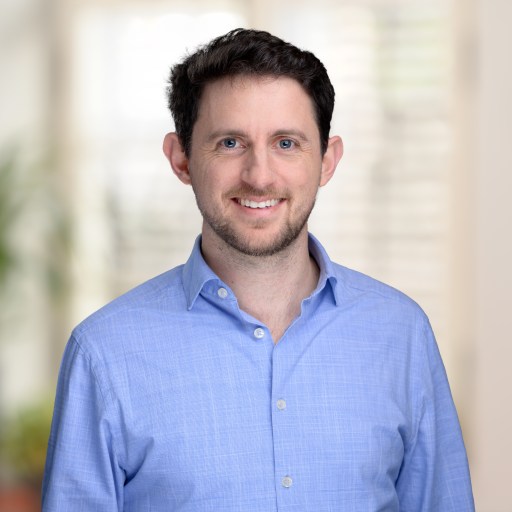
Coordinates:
245	242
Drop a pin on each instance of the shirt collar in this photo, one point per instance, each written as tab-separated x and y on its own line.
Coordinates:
326	266
196	273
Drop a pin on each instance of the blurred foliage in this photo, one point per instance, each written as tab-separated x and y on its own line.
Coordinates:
35	243
9	210
23	442
35	227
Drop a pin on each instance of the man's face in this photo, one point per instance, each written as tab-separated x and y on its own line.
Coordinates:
255	163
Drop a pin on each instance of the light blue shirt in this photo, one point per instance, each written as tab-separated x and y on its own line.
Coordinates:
171	398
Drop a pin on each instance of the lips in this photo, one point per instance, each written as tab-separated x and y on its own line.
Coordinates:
258	204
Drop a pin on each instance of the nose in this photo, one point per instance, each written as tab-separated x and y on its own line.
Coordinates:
257	170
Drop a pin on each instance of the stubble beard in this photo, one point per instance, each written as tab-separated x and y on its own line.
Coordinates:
243	243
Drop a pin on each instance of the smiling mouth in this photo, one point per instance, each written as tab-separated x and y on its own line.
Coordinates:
261	204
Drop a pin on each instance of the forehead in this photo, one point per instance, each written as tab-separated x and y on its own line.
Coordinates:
252	97
245	81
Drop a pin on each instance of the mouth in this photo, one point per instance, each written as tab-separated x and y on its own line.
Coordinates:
258	204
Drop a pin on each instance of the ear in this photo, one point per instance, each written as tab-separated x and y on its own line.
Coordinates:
331	158
175	153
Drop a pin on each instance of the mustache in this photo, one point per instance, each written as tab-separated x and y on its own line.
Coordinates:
248	190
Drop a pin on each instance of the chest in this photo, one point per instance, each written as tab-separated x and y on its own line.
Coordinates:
241	417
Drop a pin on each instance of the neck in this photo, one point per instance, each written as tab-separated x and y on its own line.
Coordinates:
270	288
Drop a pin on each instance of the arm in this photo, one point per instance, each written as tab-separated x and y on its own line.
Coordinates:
434	474
82	470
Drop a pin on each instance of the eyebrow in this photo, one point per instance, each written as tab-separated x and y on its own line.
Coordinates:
225	133
299	134
283	132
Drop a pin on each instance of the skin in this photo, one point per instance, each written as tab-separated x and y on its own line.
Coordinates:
256	143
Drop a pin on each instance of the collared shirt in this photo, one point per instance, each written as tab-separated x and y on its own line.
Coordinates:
171	398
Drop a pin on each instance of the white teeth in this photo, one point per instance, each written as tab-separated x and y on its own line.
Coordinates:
254	204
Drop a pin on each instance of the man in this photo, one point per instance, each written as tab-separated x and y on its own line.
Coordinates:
260	375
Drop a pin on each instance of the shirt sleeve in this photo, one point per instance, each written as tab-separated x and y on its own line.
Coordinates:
435	473
82	470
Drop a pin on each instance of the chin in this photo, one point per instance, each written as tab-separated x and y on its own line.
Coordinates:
264	246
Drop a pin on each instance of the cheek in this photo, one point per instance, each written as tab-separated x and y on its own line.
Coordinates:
310	179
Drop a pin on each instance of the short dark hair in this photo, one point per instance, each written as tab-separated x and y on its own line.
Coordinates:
246	52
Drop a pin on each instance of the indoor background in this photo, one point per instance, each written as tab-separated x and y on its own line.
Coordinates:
89	206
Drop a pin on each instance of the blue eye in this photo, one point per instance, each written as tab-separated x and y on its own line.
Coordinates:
286	143
229	143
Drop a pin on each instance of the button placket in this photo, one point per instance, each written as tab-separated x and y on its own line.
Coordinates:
283	420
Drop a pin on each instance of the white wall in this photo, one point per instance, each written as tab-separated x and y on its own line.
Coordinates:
492	412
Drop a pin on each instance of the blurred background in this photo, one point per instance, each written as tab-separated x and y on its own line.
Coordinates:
89	207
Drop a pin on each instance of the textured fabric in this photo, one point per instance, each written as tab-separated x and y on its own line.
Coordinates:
171	398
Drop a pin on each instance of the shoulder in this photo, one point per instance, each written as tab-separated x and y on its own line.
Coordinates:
355	284
375	299
360	292
136	311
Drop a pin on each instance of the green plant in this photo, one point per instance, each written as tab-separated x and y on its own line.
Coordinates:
32	201
23	442
10	207
35	234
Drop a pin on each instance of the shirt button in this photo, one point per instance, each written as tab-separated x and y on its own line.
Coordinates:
222	293
281	404
259	333
286	482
